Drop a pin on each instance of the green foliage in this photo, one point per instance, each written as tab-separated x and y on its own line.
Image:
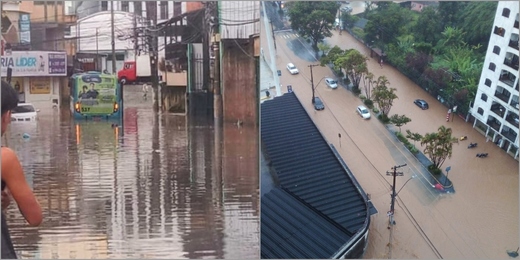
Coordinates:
406	143
384	96
354	63
438	146
427	27
375	110
477	21
313	20
415	137
369	103
383	118
332	55
348	20
362	97
434	170
399	120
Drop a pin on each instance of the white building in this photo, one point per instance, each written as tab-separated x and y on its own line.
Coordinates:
93	30
239	19
496	104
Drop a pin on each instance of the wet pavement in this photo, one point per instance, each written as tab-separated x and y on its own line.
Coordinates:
479	221
156	187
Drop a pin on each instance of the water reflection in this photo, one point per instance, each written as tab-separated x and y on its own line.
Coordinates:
156	187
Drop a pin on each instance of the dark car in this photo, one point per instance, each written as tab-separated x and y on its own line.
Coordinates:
421	103
318	105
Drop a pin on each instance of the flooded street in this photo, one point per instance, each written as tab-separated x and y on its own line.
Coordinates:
479	220
155	187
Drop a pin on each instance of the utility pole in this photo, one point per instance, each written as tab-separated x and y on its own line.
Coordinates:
272	52
393	173
113	37
312	81
206	30
151	8
136	35
217	92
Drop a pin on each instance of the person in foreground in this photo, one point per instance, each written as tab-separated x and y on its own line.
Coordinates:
13	178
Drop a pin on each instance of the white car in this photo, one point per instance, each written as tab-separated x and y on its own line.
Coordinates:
292	69
331	83
24	112
363	112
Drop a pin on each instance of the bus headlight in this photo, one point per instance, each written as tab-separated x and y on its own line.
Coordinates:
116	107
77	107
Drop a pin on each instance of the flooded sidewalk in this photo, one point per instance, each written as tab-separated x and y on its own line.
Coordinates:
157	186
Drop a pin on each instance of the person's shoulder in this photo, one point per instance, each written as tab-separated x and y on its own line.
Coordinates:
8	154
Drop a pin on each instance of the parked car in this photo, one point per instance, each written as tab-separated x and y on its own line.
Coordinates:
363	112
24	112
318	104
292	69
421	103
331	83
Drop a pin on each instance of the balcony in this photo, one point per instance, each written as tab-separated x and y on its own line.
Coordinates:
514	102
508	78
509	134
494	123
502	94
512	118
512	62
498	109
513	44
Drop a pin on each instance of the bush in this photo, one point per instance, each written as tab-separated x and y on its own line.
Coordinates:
369	103
384	118
362	97
375	110
356	90
434	170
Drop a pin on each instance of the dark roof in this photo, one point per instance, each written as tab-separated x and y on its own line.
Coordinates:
305	234
307	168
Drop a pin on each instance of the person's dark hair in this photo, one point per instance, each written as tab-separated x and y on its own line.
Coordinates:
85	87
9	98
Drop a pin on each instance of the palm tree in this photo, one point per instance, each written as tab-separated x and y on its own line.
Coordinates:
438	146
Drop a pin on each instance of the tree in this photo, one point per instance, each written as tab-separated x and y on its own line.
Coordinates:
449	12
425	30
415	137
383	95
324	48
354	63
438	146
386	23
399	120
313	20
331	56
477	21
368	82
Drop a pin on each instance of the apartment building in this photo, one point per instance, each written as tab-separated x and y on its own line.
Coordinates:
495	108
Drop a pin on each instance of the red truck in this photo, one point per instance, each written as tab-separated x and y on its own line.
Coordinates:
138	71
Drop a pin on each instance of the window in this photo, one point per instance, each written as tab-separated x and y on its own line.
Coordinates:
177	8
492	66
496	50
499	31
104	5
138	8
125	7
488	82
505	12
483	97
164	10
480	111
39	2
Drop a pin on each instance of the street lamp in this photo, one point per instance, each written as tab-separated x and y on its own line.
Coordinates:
393	173
312	81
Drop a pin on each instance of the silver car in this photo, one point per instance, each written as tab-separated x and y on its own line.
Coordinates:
292	69
331	83
363	112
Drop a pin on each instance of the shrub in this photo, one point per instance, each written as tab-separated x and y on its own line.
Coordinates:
434	170
369	103
362	97
356	90
375	110
384	118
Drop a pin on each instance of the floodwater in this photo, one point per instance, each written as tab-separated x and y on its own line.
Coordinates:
156	187
479	220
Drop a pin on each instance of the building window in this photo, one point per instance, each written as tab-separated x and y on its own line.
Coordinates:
483	97
499	31
40	2
125	7
488	82
104	5
138	8
505	12
177	8
164	10
480	111
496	50
492	66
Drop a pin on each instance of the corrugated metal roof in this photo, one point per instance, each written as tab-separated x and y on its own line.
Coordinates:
290	229
307	167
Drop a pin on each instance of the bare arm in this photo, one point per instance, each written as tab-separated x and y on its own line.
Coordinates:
13	176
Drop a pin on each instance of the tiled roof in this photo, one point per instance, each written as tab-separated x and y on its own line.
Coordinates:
308	169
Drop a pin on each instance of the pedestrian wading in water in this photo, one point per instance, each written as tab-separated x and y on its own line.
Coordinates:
14	183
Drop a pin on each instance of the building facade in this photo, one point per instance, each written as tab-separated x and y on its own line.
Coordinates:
36	75
495	108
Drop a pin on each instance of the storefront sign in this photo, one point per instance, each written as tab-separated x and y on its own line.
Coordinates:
35	63
25	28
40	85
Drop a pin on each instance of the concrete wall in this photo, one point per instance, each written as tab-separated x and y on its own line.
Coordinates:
239	82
